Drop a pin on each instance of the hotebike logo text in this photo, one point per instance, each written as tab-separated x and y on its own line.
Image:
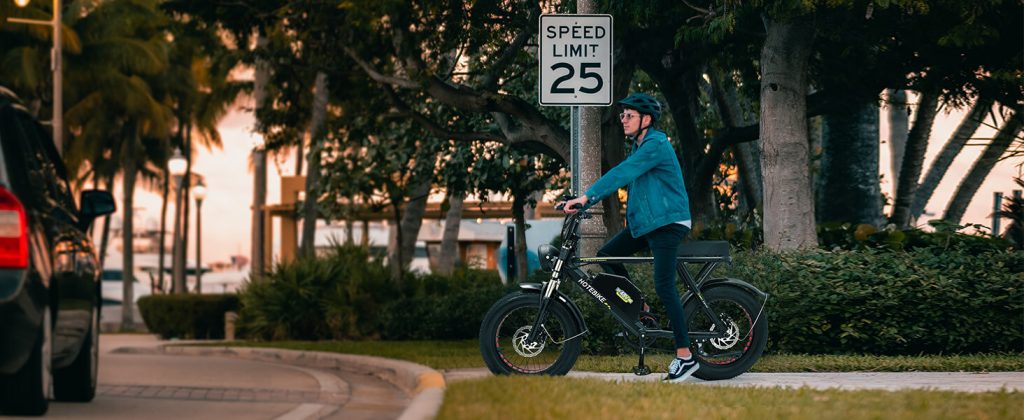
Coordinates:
592	291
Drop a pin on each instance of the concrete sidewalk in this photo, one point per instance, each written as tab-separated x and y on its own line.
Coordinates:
889	381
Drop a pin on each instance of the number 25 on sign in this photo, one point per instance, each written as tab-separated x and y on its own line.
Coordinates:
575	60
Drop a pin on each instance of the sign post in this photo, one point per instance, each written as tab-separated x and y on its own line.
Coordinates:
576	71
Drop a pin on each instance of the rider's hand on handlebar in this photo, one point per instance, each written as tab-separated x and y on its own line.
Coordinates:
572	206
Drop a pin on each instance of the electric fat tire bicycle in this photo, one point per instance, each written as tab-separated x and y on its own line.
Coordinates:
537	330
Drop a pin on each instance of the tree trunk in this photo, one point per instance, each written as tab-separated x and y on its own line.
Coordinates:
259	198
105	236
162	236
127	227
788	202
395	236
981	168
518	213
913	158
316	135
899	124
450	237
849	185
186	206
956	142
412	219
747	154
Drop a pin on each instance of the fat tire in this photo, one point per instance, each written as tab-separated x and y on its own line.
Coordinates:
518	300
714	372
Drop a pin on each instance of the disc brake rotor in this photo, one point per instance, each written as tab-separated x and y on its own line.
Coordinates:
525	349
731	336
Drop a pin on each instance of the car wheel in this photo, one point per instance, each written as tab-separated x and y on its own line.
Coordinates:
27	391
77	381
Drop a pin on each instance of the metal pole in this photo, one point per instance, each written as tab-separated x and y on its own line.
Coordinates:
199	246
996	205
593	232
510	254
58	81
177	271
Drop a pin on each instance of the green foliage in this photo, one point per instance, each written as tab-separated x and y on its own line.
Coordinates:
344	295
926	300
335	296
187	316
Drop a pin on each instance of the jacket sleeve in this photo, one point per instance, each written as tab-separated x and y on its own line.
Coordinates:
642	160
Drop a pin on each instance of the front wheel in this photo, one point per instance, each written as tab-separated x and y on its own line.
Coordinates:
746	332
505	328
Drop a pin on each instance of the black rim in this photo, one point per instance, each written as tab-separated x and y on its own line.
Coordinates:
738	339
510	335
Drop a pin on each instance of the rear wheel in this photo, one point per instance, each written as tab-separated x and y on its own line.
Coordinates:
744	340
77	382
27	391
506	326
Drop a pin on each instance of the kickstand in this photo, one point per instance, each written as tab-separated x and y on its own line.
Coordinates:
641	369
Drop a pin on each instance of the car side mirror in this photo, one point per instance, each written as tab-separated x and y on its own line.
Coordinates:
95	203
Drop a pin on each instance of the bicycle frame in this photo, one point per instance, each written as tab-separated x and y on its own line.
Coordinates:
568	266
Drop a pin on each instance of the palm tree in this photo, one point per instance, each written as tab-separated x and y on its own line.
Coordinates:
115	113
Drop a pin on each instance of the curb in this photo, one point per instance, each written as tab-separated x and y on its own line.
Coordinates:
425	385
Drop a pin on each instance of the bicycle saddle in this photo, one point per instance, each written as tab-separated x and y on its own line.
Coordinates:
704	249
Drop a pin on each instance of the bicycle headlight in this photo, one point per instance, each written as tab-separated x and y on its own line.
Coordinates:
547	254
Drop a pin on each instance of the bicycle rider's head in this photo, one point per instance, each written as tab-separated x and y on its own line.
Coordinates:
639	112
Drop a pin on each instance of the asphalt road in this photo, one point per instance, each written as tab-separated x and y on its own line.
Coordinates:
158	386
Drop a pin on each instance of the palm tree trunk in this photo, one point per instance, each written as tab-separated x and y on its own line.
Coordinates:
316	135
105	236
941	164
913	158
788	201
186	207
450	237
988	159
849	189
163	228
260	79
899	124
127	227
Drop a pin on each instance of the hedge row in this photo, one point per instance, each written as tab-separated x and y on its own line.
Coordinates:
187	316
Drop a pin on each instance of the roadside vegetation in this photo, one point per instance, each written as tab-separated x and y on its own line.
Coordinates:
555	397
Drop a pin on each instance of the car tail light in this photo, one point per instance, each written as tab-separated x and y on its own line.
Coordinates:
13	231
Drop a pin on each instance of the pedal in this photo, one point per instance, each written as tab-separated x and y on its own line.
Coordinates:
641	370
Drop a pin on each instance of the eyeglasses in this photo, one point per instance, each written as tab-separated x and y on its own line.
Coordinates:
627	117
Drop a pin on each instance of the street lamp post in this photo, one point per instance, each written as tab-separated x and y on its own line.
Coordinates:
56	66
199	191
176	168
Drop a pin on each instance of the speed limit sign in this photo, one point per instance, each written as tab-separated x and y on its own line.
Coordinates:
575	60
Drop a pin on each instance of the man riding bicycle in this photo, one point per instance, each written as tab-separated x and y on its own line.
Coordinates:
657	214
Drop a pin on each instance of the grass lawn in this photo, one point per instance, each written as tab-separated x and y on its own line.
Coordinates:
466	354
545	397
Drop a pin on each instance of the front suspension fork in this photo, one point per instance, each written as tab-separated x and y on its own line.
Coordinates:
542	314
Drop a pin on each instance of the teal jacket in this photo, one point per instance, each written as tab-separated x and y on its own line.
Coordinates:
657	193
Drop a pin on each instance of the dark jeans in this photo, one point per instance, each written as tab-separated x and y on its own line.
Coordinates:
663	243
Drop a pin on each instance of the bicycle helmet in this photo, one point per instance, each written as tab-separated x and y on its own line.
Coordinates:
644	104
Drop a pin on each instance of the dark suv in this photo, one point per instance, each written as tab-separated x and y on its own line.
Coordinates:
49	273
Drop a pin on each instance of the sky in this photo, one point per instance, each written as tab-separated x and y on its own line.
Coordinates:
227	216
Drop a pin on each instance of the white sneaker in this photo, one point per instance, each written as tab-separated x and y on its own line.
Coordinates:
680	369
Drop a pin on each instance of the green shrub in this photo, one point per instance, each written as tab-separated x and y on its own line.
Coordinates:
187	316
450	316
926	300
331	297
